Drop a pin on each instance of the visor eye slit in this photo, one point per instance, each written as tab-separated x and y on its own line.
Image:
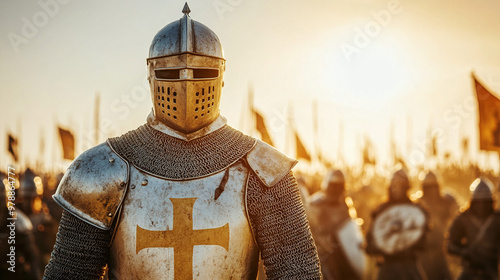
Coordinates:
205	73
167	74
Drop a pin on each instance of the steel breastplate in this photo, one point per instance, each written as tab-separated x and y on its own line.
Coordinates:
184	230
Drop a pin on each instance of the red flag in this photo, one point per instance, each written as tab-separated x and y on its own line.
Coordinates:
261	127
68	144
12	146
301	151
489	118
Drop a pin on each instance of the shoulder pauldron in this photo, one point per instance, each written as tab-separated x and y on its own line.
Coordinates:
94	186
268	164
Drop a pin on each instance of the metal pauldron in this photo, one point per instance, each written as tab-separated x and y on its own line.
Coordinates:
94	186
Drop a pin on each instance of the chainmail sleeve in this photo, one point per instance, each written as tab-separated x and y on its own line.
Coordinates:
80	252
281	229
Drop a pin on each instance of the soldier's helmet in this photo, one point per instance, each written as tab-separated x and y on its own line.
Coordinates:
399	186
430	185
334	184
481	189
27	189
185	71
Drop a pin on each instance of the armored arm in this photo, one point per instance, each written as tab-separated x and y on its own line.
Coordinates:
278	217
80	252
91	193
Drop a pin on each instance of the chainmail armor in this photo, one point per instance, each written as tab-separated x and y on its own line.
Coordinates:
80	252
281	229
277	215
160	154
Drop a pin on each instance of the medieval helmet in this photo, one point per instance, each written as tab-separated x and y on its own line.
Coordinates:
430	184
185	72
400	184
334	183
482	189
27	189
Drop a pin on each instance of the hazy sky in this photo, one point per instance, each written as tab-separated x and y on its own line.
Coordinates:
369	64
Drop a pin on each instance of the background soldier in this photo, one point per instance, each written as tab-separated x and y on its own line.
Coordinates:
44	226
184	195
27	259
441	210
329	214
396	236
475	234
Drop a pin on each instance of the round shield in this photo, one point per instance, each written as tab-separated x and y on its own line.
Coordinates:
351	239
398	227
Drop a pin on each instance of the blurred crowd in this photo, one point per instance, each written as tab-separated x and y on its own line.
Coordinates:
404	227
36	218
438	224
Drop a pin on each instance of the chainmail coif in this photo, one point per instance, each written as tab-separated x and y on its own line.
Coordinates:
157	153
280	225
80	252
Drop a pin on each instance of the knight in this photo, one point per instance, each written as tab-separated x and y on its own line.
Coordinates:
184	196
474	235
337	237
397	233
442	209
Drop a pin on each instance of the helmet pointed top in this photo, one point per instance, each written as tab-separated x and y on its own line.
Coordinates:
186	9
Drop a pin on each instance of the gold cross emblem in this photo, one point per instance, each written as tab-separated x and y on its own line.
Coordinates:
182	237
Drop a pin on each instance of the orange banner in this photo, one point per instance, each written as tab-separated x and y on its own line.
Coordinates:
68	143
489	118
261	128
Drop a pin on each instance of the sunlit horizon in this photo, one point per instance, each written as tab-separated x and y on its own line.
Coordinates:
410	78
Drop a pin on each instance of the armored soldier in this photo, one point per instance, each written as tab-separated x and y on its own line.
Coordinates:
475	234
44	226
20	258
184	196
441	210
330	219
397	233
